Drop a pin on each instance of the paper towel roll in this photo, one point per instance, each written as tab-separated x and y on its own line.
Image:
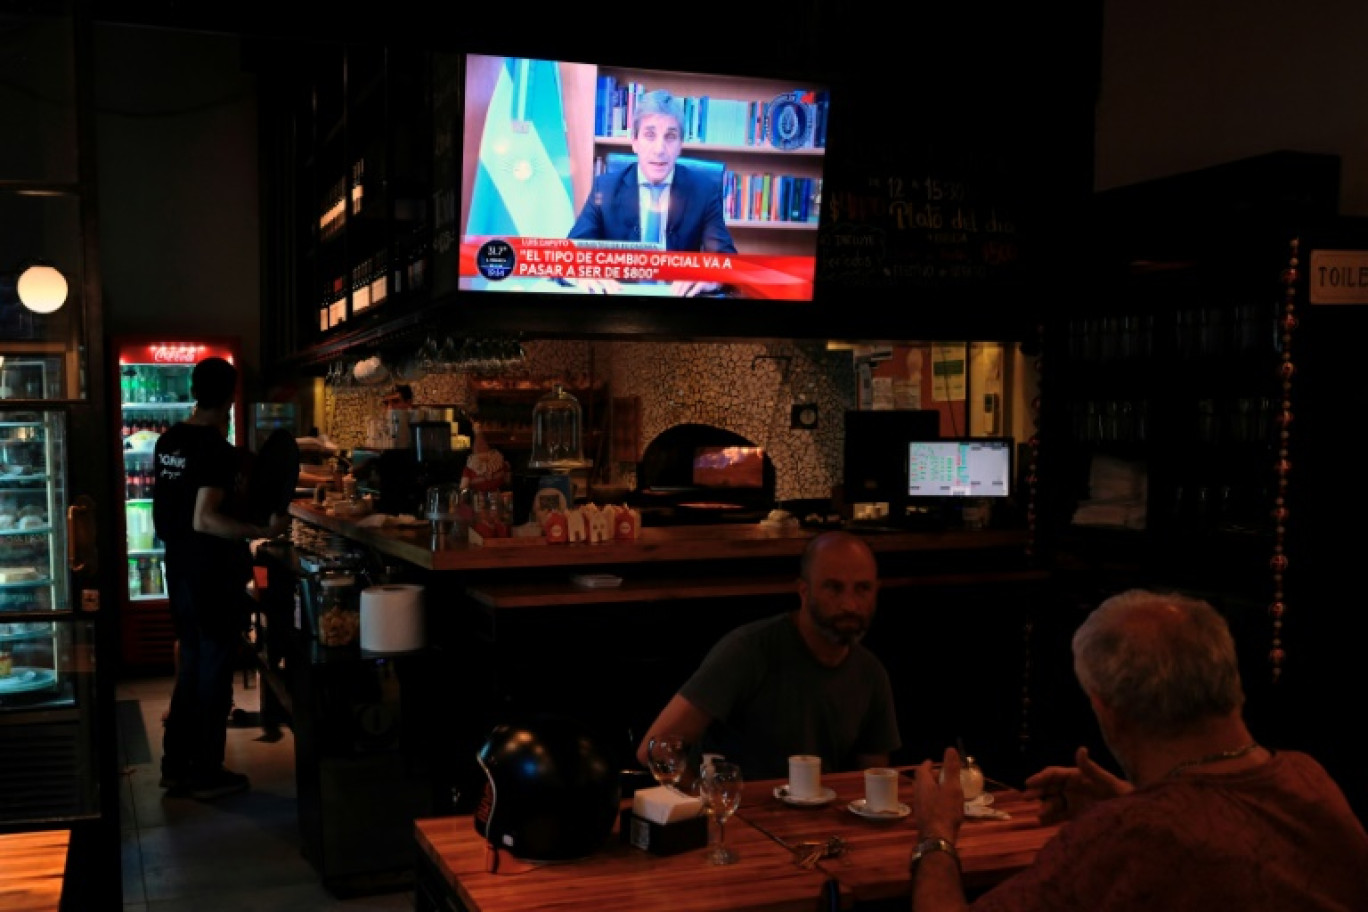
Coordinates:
392	618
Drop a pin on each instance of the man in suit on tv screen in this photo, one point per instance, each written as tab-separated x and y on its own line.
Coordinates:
656	201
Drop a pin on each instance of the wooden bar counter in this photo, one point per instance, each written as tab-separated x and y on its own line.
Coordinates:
730	542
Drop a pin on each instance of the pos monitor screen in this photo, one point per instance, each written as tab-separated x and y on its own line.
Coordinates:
553	199
959	467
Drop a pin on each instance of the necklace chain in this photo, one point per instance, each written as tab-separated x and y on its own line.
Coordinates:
1214	758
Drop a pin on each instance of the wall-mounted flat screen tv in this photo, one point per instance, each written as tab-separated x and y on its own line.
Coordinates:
959	467
584	178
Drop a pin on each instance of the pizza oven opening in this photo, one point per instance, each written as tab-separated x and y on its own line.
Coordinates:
698	473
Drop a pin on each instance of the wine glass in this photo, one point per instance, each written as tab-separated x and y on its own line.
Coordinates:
668	756
721	791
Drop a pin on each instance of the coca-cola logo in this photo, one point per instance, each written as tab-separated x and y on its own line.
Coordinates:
176	354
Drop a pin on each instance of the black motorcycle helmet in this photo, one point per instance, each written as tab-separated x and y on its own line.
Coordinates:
552	792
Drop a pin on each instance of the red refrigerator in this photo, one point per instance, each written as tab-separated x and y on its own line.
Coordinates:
154	393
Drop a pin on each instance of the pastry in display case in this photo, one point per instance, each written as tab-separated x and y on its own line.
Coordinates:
33	650
29	652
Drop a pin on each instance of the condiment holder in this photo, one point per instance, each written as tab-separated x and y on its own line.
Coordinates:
971	779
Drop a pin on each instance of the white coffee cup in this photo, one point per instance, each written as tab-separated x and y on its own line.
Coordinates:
805	776
881	789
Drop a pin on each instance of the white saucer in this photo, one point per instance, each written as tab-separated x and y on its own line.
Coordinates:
857	807
981	809
827	794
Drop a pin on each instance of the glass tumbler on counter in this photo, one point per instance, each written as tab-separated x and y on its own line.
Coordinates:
447	509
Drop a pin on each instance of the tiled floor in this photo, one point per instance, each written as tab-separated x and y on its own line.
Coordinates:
240	852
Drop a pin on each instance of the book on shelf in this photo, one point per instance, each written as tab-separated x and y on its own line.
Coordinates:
605	94
764	197
721	121
821	108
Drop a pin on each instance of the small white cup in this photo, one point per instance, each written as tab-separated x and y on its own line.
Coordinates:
805	776
881	789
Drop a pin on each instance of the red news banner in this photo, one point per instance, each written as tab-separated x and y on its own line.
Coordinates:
749	276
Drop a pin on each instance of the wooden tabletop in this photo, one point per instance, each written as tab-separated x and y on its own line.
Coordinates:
875	863
32	866
621	877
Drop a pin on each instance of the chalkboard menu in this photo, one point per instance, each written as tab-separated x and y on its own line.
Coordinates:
918	223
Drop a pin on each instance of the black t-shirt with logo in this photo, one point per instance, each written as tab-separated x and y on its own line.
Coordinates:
188	457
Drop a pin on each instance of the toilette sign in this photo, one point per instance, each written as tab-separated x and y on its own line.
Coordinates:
1339	277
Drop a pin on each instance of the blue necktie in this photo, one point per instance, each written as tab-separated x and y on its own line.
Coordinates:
653	234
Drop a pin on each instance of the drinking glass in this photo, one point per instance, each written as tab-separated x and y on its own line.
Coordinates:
721	791
668	756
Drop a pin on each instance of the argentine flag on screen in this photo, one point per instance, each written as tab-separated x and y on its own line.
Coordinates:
522	184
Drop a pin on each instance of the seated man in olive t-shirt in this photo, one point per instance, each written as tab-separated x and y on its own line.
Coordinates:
798	682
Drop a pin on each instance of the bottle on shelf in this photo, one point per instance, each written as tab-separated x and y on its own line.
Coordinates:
325	311
134	578
337	309
379	279
361	286
152	583
358	185
416	277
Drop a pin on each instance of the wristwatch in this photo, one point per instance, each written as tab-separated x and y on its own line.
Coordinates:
931	844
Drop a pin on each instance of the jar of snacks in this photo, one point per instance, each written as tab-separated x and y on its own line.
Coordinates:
339	611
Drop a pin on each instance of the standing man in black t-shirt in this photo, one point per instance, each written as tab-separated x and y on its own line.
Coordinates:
208	563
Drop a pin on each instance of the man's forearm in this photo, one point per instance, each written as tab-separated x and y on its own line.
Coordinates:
222	526
936	885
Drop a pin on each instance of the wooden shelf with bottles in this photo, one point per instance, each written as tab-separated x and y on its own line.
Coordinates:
363	171
1161	401
752	235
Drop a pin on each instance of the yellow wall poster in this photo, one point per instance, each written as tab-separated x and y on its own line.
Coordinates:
947	373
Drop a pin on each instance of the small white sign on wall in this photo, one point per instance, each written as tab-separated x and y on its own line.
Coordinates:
1339	277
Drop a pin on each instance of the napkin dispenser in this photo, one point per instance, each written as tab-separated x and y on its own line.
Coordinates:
664	822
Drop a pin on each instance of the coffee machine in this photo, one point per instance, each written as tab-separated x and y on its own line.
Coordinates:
402	474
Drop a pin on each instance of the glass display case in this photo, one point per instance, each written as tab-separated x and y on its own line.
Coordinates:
32	551
47	667
60	765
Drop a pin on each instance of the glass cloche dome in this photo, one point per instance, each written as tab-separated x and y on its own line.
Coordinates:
556	436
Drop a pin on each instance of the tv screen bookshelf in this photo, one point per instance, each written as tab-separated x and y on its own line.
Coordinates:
544	138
